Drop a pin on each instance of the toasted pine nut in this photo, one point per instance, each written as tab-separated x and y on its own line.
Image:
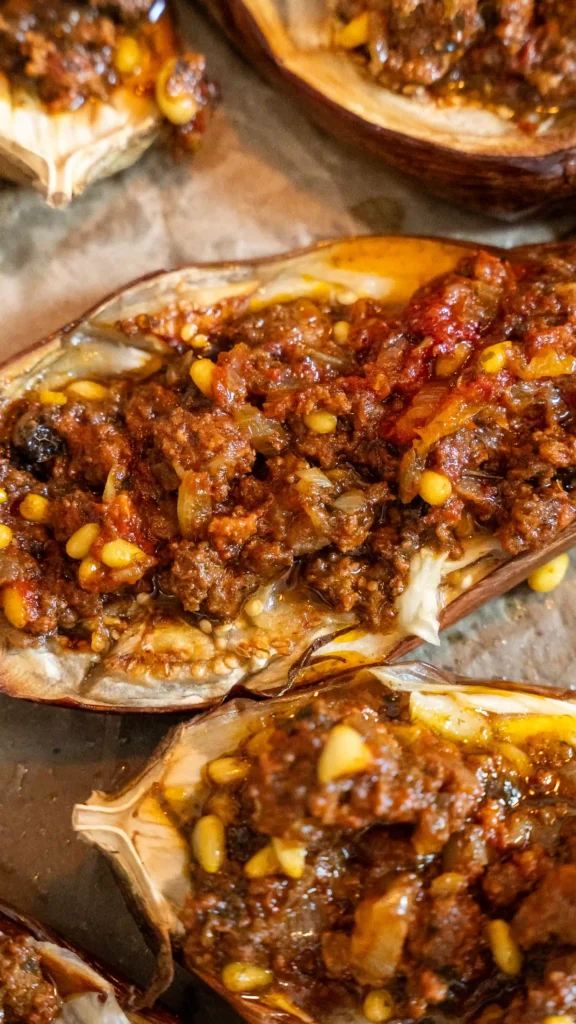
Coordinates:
98	642
127	55
435	488
448	883
14	607
242	977
505	949
209	843
355	33
5	535
35	508
177	109
258	743
188	332
378	1006
200	341
118	554
227	769
79	544
493	358
321	422
548	576
52	398
291	856
253	607
263	863
88	389
344	753
201	372
87	570
340	331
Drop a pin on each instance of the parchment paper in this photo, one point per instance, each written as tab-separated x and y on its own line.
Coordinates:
266	181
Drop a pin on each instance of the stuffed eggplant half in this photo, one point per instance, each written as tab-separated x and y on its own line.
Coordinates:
475	99
395	845
86	87
43	980
221	467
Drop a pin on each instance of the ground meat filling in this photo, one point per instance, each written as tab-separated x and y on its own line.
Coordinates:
327	443
26	995
518	57
348	856
68	53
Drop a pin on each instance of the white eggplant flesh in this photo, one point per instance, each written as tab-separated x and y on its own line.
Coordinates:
137	828
61	154
166	662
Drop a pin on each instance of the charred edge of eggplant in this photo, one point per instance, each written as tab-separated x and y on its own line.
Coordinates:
128	995
507	187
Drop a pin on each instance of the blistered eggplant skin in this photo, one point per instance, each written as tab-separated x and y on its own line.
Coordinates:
12	922
497	181
44	671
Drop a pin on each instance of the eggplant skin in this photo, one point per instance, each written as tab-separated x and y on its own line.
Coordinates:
503	185
12	921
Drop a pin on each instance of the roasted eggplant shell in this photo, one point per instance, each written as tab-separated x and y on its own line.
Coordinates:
13	922
61	154
150	857
388	268
469	155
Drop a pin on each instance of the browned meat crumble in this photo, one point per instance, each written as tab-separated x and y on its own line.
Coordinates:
517	56
331	441
26	995
431	878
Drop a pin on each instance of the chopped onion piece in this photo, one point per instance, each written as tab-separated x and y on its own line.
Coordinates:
311	479
350	502
113	483
194	504
267	436
380	930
